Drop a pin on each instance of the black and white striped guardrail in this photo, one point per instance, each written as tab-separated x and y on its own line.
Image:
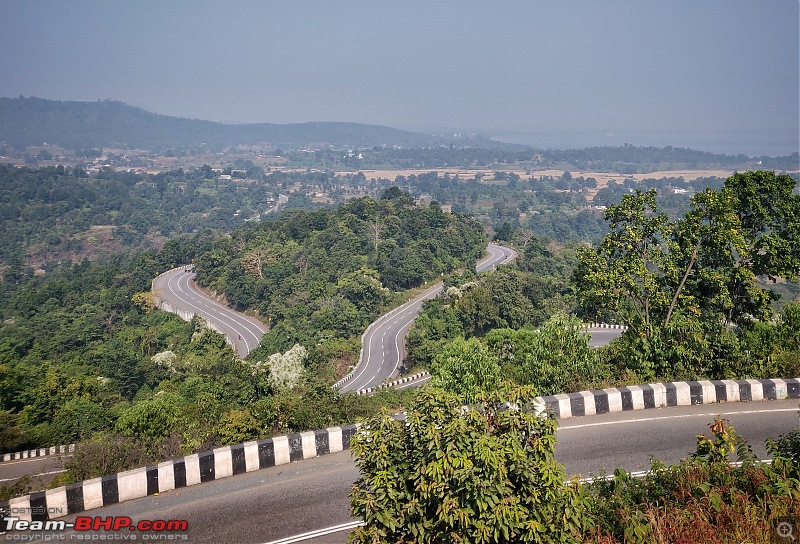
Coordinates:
229	460
604	326
38	452
659	395
414	377
177	473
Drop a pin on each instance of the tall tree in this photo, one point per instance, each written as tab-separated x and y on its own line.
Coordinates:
675	282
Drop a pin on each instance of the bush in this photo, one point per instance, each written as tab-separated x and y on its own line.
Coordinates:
466	368
786	446
448	474
704	499
105	454
150	419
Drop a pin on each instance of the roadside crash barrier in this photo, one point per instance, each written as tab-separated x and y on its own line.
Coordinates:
38	452
414	377
587	326
177	473
660	395
231	460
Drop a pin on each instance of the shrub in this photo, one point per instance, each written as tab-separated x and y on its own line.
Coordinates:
703	499
105	454
786	446
449	474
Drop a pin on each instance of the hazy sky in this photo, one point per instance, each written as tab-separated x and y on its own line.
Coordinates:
679	69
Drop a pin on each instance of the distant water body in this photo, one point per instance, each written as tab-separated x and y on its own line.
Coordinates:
752	144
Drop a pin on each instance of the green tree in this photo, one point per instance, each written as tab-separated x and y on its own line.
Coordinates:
555	359
466	368
673	283
622	276
79	417
150	419
454	475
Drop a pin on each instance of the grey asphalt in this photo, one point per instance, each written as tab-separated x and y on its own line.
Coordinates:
383	342
601	336
44	468
177	287
279	502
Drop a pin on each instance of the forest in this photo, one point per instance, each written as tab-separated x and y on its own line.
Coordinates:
56	214
321	276
84	356
109	123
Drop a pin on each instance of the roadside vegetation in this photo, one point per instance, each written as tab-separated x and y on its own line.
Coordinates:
488	474
692	292
85	357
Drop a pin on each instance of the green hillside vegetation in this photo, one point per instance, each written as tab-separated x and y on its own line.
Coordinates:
55	214
136	385
84	356
692	291
318	277
489	474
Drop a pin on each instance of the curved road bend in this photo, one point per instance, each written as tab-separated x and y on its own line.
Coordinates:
383	342
177	287
280	502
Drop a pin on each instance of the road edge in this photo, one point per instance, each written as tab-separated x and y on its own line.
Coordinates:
240	458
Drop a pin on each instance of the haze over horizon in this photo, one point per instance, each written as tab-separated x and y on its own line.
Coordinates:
721	76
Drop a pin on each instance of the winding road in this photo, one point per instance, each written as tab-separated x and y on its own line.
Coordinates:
382	344
176	288
277	504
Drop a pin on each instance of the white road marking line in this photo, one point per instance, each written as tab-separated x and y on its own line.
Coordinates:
319	532
682	416
40	474
387	321
226	317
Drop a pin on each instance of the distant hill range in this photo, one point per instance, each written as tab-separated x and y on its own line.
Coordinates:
33	121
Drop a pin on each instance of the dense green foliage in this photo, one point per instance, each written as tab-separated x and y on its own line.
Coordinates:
452	475
318	276
80	360
53	214
466	368
488	474
687	288
693	292
138	385
524	294
553	359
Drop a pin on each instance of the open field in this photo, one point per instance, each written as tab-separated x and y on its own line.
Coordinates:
605	177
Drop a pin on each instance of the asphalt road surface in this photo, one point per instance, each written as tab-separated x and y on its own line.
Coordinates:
178	289
602	336
273	504
383	342
39	468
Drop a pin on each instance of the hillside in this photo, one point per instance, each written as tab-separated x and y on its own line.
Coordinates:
33	121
